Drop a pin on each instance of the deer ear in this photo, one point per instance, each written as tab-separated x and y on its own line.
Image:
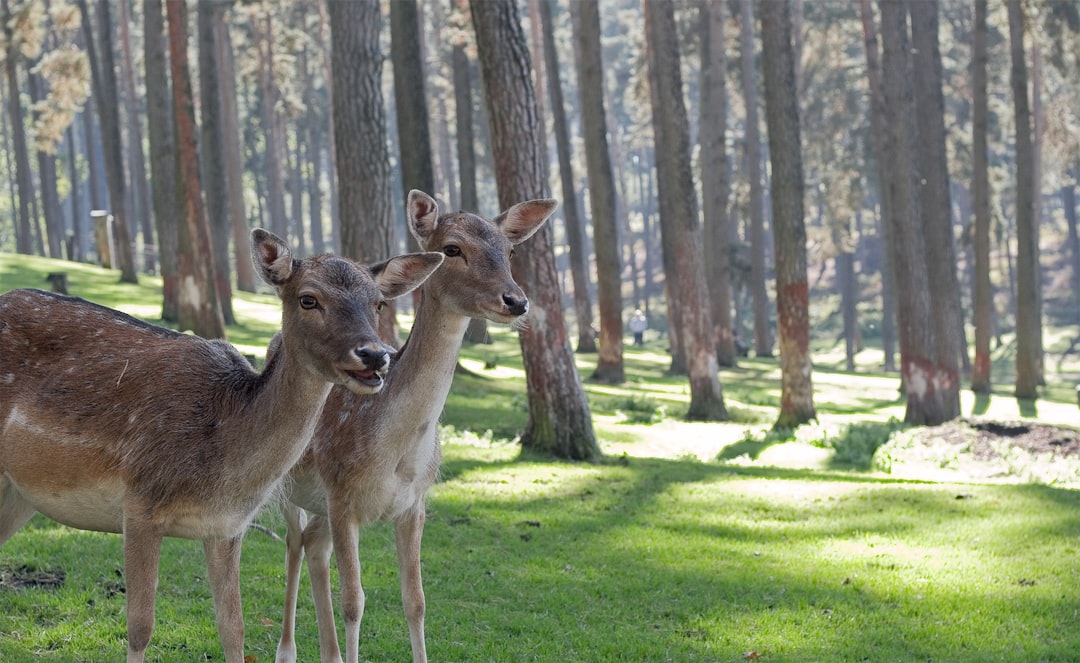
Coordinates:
521	221
423	215
271	256
405	273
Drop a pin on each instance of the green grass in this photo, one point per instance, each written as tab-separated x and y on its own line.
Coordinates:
691	542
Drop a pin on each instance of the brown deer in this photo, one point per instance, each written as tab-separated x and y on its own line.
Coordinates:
373	459
110	424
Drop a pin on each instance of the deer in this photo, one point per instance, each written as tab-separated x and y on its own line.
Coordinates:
375	458
111	424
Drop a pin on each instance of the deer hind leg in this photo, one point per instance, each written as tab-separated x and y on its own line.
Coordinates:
294	557
14	510
142	549
345	530
408	531
223	570
318	545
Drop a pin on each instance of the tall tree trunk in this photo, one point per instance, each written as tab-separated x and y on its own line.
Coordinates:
792	291
199	309
575	234
763	339
445	180
917	340
678	213
263	30
77	248
1068	201
314	184
160	128
1028	291
936	204
212	13
50	197
559	420
234	163
883	172
103	75
981	375
23	180
715	178
140	188
360	136
585	16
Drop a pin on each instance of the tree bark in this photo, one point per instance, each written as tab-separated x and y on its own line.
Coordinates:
715	178
575	234
678	213
199	309
274	154
763	338
1028	294
47	179
140	189
936	204
585	16
23	180
103	76
212	13
981	373
413	124
559	420
234	163
1068	201
360	137
792	291
159	125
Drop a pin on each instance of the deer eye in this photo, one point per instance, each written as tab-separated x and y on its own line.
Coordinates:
308	302
379	307
451	251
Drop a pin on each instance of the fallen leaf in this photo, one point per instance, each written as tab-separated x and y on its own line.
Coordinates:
266	621
250	658
751	655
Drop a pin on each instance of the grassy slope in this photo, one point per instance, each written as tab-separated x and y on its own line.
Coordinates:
653	556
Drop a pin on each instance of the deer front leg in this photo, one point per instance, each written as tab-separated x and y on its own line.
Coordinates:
345	531
294	557
142	549
408	531
223	570
318	545
14	510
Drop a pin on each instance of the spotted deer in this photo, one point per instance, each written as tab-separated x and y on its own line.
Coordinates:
110	424
374	459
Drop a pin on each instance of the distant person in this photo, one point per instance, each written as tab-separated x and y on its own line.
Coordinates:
638	324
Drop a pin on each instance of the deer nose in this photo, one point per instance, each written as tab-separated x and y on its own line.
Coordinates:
373	359
515	305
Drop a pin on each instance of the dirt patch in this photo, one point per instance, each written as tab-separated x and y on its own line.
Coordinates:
23	577
987	438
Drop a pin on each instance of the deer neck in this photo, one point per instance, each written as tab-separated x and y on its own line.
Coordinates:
424	368
278	423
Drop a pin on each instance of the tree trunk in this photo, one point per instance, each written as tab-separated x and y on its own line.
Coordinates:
763	339
103	75
1068	201
234	163
410	101
715	178
50	197
212	13
792	291
883	172
1028	294
559	420
360	136
199	309
678	213
981	378
936	206
140	188
921	381
23	180
263	31
159	124
585	16
575	234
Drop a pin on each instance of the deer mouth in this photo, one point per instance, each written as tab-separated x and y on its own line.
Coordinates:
367	380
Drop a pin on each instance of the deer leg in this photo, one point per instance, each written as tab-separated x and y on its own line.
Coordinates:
142	549
318	545
408	530
345	531
294	557
223	570
14	510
